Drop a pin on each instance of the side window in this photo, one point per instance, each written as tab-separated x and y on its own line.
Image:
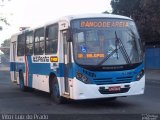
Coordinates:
21	45
29	43
51	39
39	41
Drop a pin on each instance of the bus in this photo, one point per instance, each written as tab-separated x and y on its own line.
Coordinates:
80	57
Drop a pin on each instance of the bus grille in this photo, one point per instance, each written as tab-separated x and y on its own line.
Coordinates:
118	80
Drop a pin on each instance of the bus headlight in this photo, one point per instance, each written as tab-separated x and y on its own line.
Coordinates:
140	74
82	77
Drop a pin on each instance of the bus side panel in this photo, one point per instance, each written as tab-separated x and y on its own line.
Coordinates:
41	82
11	63
13	59
38	73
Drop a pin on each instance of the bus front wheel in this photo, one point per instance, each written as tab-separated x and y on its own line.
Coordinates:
55	93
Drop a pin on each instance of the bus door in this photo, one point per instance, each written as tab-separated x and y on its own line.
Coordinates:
14	60
67	60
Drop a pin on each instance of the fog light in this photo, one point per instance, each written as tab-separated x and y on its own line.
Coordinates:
84	79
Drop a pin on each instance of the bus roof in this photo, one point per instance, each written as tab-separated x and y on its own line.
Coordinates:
78	16
102	15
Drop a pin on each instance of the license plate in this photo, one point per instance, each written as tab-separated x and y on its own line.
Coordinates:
114	88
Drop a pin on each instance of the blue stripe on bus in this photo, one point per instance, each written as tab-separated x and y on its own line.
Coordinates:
40	68
101	77
15	66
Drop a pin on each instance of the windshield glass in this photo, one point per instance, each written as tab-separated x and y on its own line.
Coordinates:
106	42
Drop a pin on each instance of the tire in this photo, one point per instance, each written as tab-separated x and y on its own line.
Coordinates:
21	82
54	90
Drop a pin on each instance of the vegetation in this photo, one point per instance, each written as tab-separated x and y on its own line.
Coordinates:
6	43
146	15
3	19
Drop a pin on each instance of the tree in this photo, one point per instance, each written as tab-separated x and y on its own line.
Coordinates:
124	7
146	15
3	19
106	12
6	43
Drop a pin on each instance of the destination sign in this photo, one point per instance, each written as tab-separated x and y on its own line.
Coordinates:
91	55
103	24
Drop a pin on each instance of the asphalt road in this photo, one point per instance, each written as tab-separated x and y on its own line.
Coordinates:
14	101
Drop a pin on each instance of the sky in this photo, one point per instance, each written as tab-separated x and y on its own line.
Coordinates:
31	13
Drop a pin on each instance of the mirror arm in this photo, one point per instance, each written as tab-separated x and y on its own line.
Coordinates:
69	38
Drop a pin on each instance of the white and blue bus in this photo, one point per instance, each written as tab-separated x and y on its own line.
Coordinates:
80	57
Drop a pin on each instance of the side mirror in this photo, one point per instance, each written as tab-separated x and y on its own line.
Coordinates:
143	46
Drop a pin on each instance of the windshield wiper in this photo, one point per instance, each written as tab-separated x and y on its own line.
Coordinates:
123	50
107	57
114	51
119	45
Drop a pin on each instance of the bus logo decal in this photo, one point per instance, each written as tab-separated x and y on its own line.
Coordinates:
40	59
54	59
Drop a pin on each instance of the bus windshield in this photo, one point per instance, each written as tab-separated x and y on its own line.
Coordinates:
106	42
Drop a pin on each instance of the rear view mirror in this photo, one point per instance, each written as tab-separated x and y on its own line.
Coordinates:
69	36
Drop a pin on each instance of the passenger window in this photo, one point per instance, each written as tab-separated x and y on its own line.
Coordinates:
29	43
51	39
39	42
21	45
